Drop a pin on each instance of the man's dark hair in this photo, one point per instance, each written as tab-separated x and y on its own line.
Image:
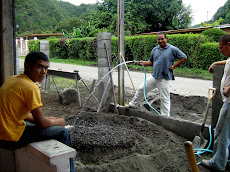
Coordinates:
33	57
224	39
162	33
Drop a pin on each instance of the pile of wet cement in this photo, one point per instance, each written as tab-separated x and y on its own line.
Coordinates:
110	142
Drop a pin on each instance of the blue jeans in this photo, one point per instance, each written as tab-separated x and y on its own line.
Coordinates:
221	139
34	134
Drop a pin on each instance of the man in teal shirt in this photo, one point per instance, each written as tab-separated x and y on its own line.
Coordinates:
162	59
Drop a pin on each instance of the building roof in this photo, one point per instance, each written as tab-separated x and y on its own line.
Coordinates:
179	31
182	31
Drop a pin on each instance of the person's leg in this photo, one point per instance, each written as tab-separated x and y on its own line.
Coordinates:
222	139
164	87
139	95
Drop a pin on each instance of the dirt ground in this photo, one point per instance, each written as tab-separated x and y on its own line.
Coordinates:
111	142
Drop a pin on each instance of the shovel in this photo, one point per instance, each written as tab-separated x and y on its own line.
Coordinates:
199	142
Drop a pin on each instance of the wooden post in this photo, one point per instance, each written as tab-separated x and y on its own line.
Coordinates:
7	40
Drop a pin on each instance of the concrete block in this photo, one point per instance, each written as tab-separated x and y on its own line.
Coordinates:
180	127
7	160
44	47
217	101
103	36
45	156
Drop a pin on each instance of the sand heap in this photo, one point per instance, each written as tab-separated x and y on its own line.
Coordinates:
109	142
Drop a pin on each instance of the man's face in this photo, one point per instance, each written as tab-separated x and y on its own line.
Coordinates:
38	72
225	49
162	41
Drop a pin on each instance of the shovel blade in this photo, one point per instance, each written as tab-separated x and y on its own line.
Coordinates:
199	142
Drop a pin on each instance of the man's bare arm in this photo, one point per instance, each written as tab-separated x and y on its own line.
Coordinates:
42	121
145	63
210	69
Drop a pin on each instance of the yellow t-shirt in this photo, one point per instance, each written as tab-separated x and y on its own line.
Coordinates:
19	95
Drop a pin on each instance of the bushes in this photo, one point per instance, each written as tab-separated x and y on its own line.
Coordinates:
214	34
199	51
208	53
34	45
76	48
189	44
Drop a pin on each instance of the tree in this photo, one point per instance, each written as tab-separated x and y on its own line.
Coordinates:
223	12
68	24
145	15
81	31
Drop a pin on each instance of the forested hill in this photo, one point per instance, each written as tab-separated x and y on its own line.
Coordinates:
223	12
141	16
39	16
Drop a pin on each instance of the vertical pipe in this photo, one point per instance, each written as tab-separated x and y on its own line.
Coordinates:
121	51
119	59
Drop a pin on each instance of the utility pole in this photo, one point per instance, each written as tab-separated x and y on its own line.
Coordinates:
121	51
207	18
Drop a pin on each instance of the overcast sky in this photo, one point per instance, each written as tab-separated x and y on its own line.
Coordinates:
202	9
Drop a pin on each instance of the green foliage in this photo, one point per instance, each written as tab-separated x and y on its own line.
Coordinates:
208	53
45	14
189	44
34	45
201	54
75	48
214	33
145	15
223	12
40	16
68	24
82	31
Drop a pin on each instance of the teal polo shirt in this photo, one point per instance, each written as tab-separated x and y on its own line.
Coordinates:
162	59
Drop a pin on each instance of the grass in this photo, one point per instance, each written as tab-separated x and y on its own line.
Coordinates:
180	72
71	61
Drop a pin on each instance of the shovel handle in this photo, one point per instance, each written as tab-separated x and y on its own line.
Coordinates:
211	96
191	156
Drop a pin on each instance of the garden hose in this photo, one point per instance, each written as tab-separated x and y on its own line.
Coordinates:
136	62
210	128
207	149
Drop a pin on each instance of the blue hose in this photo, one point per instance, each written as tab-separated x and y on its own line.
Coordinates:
210	128
145	96
207	149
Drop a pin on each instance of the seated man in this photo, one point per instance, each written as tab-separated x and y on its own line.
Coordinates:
21	117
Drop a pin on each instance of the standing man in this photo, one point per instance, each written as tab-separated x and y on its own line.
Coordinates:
162	59
222	130
21	117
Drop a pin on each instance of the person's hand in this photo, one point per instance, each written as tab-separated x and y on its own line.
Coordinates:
226	91
172	67
141	63
52	117
58	121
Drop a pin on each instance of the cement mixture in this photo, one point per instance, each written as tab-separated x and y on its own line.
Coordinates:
111	142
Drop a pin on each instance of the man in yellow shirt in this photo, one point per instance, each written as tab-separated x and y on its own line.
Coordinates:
22	120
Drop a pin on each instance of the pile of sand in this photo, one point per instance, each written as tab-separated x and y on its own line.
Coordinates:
109	142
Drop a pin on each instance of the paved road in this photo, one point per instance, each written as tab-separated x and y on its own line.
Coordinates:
182	86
